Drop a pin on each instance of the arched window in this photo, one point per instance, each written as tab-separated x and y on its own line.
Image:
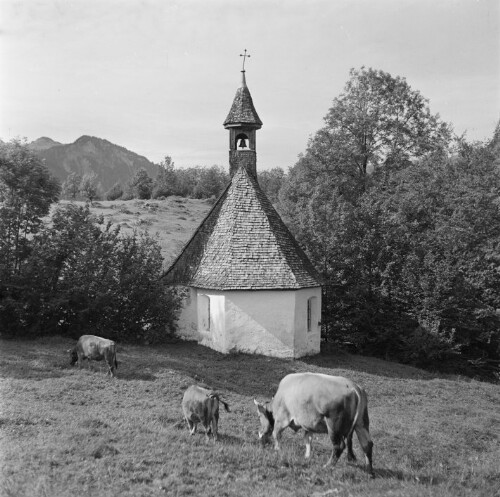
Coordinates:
204	312
312	313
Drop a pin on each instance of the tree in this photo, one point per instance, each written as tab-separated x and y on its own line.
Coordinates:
404	227
271	181
211	182
141	185
71	186
377	125
27	190
85	274
165	183
88	187
115	192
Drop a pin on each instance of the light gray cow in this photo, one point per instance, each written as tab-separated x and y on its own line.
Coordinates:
319	403
94	348
201	405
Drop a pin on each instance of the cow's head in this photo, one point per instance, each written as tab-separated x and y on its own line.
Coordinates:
266	421
73	356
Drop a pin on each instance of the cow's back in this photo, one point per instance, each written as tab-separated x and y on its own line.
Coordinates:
306	398
94	347
197	402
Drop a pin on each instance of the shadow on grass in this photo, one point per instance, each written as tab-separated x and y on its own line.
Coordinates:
244	374
402	476
230	439
205	367
372	366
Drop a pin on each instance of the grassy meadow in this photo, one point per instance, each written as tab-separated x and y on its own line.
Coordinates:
173	220
77	432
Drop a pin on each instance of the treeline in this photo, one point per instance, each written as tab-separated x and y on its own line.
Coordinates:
75	274
192	182
402	219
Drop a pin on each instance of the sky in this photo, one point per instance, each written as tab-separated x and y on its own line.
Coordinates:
158	76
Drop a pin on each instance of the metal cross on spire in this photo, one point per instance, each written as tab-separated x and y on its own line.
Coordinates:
245	55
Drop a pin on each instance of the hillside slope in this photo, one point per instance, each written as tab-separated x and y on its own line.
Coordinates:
173	220
111	163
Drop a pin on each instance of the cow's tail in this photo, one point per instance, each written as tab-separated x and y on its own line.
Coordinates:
215	395
359	411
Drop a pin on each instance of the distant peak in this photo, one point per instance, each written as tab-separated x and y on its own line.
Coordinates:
43	143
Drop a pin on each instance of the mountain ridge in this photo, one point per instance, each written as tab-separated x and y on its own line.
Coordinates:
110	162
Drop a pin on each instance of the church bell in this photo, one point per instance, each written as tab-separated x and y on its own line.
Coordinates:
242	143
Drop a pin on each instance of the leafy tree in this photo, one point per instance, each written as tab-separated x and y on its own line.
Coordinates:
71	186
403	226
165	183
211	182
377	125
89	188
27	190
115	192
85	275
271	181
141	185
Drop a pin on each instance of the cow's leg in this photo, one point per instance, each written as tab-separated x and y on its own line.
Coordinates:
308	438
208	429
334	432
215	425
366	443
111	368
278	429
191	426
351	456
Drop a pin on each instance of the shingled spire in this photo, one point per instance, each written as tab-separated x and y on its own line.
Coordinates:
243	244
242	123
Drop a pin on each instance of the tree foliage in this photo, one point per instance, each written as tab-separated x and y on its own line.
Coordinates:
89	187
71	186
26	192
271	181
403	226
73	274
141	185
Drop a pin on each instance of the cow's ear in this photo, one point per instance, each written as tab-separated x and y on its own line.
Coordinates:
260	407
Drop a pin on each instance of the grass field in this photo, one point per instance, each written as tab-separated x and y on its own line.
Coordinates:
66	431
173	220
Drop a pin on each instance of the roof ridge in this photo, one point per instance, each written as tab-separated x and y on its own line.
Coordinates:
243	244
260	193
267	206
198	230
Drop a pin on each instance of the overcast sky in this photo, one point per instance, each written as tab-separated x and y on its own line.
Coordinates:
158	77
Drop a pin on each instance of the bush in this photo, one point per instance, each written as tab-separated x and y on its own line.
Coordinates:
86	275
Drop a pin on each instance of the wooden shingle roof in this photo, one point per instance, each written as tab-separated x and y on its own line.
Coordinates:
243	244
242	110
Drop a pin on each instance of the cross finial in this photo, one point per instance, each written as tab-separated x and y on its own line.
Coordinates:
245	55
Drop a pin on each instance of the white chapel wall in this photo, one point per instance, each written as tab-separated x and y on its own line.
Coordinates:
187	323
307	338
260	322
212	335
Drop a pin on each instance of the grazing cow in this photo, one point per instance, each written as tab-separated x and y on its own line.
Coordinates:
201	405
319	403
94	349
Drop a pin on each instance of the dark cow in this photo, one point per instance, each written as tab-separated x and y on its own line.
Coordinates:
319	403
201	405
94	348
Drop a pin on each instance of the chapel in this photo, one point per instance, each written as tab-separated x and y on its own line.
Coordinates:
251	288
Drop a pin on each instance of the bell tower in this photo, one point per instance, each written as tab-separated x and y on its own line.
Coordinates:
242	123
